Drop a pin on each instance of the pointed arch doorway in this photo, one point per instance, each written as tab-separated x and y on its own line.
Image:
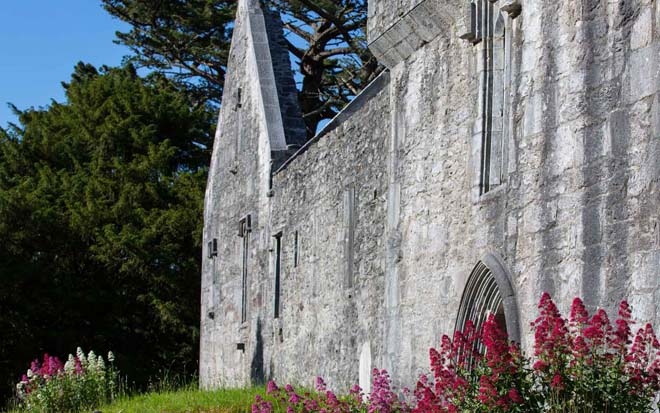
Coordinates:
489	291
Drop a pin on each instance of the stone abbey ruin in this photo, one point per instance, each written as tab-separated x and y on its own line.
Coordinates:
512	147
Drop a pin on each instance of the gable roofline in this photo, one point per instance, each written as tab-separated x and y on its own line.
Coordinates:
278	96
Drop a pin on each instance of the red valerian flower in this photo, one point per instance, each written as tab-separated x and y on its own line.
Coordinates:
579	315
514	396
271	387
557	382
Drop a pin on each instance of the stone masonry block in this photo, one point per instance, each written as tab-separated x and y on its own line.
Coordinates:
391	57
642	30
404	48
464	25
424	24
414	39
644	72
377	48
512	7
396	34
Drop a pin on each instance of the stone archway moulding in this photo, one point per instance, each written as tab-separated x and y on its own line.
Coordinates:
488	285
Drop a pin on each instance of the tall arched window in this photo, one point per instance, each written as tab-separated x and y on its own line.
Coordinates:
488	291
487	30
492	141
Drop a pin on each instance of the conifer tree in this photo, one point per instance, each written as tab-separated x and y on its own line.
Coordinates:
328	41
189	41
101	201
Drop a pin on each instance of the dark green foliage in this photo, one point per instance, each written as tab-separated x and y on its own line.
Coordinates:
186	39
189	42
328	39
101	202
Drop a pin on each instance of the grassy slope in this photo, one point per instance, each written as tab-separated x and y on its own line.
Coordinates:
188	401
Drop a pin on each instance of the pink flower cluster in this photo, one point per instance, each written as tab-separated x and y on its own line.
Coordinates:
572	357
40	372
581	353
50	366
381	400
583	361
464	377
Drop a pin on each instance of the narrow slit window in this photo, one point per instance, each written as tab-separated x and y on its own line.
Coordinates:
278	272
213	248
295	249
349	235
239	98
244	233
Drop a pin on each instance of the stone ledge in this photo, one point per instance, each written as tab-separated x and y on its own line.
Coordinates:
420	25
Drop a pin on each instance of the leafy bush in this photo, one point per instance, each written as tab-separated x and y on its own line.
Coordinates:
581	364
82	383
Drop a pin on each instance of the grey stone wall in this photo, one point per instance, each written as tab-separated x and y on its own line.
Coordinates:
390	223
397	28
257	130
333	196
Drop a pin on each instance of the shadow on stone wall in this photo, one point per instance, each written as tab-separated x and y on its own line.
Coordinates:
257	375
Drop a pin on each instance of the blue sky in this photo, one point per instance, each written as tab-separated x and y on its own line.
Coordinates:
40	43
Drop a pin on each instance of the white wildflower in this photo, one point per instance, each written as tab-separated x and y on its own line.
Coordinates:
81	356
30	374
70	365
111	357
91	361
100	364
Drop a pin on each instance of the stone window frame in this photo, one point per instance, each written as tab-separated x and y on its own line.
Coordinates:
277	274
350	212
244	230
238	141
212	249
489	27
296	248
489	289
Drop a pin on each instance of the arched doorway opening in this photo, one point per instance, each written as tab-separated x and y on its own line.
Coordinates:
489	291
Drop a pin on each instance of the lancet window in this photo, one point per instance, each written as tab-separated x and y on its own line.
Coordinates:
488	32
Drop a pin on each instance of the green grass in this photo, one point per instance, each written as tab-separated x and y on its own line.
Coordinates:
188	401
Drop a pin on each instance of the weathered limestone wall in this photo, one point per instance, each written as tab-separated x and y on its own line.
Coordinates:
259	123
583	192
333	196
577	213
231	173
387	210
